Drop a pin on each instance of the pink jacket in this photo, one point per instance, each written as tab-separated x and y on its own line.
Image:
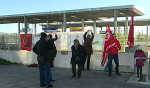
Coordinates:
139	53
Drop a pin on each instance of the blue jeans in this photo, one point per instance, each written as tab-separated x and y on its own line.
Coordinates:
50	72
115	57
44	73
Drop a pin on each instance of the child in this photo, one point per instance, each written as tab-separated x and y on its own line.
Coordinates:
139	62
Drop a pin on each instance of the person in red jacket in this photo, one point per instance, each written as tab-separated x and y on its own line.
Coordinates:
113	54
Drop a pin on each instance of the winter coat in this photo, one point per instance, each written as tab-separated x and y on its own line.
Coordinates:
139	53
80	51
114	50
44	48
88	43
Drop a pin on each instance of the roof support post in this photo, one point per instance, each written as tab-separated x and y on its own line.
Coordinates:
95	31
18	41
101	28
35	29
64	22
147	35
126	24
18	28
47	25
25	24
82	24
62	26
115	21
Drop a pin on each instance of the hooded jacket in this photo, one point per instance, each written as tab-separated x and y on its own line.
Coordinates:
139	53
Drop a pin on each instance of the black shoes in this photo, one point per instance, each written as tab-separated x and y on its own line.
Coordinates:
109	74
79	77
118	73
73	76
43	85
88	69
49	86
52	80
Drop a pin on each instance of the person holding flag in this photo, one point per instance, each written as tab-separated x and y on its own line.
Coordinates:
111	47
113	54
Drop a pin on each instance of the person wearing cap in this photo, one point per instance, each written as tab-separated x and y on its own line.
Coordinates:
78	51
139	62
88	46
42	48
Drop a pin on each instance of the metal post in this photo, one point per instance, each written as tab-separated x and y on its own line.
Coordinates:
115	21
95	27
35	29
124	29
101	28
64	22
147	35
18	28
47	25
18	39
126	24
82	24
62	27
25	24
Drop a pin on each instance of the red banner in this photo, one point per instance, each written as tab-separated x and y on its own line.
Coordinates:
26	41
130	41
109	42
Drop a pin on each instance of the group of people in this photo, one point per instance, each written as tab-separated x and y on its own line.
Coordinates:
46	47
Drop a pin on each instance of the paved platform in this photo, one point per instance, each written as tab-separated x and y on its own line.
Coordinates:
20	76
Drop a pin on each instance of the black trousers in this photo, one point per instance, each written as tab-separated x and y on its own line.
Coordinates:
88	56
74	69
139	69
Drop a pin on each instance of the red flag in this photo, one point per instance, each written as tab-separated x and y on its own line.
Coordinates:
130	41
26	41
109	42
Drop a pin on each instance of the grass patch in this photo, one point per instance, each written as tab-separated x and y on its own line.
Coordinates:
6	62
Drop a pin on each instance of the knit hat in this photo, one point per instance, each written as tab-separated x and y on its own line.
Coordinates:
43	35
139	48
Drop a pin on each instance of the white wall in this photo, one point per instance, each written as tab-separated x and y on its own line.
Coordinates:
126	63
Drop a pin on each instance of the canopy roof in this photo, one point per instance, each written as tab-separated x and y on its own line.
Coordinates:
73	15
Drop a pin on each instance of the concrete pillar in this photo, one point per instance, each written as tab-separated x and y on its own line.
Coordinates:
126	24
124	29
35	29
101	28
94	26
47	25
18	39
82	24
118	28
64	18
25	24
18	28
62	26
115	21
147	35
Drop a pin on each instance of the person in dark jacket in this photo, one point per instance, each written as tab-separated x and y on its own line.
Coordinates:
77	51
139	62
88	46
54	51
113	54
42	48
